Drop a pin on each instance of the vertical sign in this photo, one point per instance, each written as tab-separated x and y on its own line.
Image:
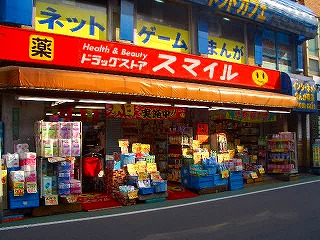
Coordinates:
308	126
15	123
299	127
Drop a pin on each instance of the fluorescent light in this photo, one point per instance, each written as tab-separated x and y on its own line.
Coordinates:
73	114
271	111
190	106
226	19
253	110
100	101
91	107
159	1
44	99
224	108
151	104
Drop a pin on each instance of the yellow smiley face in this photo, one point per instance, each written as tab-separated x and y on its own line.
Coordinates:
259	77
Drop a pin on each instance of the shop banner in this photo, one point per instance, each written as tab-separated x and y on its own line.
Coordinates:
131	111
306	94
73	21
162	37
244	116
24	45
226	50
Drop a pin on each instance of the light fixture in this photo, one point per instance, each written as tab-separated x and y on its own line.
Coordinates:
224	108
90	107
275	111
190	106
226	19
44	99
253	110
100	101
151	104
159	1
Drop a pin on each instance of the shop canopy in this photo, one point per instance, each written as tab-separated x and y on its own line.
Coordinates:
286	15
13	77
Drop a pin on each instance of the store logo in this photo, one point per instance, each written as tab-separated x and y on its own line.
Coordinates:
260	77
41	47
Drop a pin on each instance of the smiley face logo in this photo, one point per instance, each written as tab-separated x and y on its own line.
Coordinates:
259	77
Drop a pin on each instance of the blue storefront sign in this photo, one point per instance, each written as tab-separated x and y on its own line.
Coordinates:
282	14
303	88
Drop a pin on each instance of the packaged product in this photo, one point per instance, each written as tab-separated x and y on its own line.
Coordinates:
30	176
52	130
12	160
47	148
64	147
75	147
64	130
46	185
75	130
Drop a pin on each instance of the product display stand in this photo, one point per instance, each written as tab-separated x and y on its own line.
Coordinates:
316	157
179	145
282	155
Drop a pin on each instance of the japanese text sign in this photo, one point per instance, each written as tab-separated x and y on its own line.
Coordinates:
243	116
226	50
306	94
67	20
162	37
144	112
20	44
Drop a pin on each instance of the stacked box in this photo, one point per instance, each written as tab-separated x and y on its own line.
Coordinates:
201	182
64	177
75	186
235	181
114	179
219	181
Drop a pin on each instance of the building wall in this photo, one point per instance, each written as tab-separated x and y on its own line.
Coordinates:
29	113
312	4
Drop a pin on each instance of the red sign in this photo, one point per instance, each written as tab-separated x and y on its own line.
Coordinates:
130	111
202	129
25	45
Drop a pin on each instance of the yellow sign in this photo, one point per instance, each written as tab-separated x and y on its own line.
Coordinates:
155	176
141	166
71	21
226	50
31	187
136	147
162	37
197	157
4	176
261	170
133	194
142	176
145	148
151	167
18	189
123	142
225	173
254	175
51	200
41	47
132	169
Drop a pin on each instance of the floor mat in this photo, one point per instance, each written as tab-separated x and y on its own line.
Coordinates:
97	201
176	191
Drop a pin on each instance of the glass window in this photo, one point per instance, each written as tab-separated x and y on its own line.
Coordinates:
166	13
312	47
314	66
277	51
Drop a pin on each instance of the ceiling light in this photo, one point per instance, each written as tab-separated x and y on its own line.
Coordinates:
224	108
159	1
190	106
151	104
253	110
91	107
274	111
226	19
44	99
100	101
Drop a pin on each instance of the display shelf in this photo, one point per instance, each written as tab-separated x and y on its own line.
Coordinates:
178	143
282	153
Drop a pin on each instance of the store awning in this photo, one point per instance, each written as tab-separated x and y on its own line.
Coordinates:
62	80
286	15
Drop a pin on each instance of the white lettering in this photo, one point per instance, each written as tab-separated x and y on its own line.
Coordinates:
170	59
195	63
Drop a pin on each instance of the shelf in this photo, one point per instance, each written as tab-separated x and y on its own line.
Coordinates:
280	140
280	150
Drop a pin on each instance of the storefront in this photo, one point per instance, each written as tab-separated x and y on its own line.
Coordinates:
150	113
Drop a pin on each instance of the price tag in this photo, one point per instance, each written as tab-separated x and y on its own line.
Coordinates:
145	148
51	200
254	175
132	169
142	176
72	198
123	142
133	194
261	170
225	173
197	157
18	189
31	187
136	147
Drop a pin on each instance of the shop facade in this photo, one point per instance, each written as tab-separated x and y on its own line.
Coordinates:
151	59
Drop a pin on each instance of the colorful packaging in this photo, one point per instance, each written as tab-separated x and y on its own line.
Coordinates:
75	147
55	147
46	185
30	176
54	185
64	130
12	160
44	130
64	166
52	130
47	148
17	176
75	130
64	147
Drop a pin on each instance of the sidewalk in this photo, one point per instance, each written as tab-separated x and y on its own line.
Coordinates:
252	188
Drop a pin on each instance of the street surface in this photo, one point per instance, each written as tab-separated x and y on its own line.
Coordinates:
288	211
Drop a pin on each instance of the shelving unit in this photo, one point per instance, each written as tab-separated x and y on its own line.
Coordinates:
282	153
179	146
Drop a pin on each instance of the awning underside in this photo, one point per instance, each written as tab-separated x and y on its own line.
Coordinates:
53	79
